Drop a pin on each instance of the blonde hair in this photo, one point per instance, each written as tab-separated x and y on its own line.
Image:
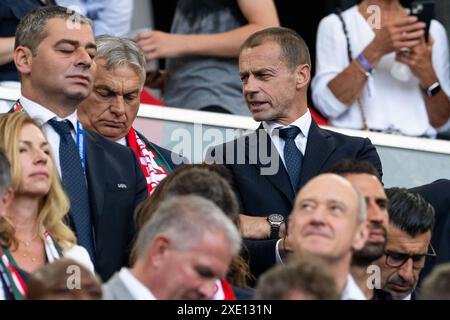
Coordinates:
53	207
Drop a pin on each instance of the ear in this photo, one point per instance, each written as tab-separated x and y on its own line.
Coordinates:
361	235
158	250
303	75
23	59
5	201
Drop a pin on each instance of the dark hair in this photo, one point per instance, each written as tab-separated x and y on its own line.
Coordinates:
436	285
293	48
302	273
32	28
352	166
5	172
409	212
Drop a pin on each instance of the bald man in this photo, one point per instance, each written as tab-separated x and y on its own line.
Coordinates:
329	220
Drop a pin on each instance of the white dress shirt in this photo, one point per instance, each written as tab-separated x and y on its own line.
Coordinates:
388	103
43	115
134	286
352	291
303	123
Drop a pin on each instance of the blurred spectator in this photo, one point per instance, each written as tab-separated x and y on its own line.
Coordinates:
6	194
365	178
411	222
302	277
64	279
110	18
202	49
181	251
376	71
436	285
112	106
33	230
209	182
328	220
11	11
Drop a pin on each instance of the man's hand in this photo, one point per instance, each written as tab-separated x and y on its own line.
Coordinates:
257	228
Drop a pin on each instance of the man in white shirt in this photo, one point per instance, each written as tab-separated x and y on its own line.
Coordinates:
411	223
182	251
329	220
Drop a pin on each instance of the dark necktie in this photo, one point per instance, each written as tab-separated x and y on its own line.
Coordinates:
74	183
293	157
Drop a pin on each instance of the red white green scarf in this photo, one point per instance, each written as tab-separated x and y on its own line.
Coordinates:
153	164
8	267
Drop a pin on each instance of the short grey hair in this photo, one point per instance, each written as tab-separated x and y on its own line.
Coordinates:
119	52
5	172
32	28
186	219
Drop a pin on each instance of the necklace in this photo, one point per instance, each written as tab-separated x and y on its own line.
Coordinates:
26	249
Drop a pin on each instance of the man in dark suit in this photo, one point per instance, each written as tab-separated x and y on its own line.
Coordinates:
112	106
288	149
54	54
438	195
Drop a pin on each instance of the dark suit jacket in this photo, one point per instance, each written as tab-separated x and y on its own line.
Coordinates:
437	194
116	185
261	195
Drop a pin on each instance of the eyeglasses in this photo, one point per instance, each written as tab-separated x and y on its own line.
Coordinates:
397	259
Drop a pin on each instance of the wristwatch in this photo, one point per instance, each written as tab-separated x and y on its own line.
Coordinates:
433	89
275	220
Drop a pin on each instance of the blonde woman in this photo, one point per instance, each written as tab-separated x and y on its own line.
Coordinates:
32	233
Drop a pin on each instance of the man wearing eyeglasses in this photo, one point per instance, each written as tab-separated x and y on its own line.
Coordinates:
411	222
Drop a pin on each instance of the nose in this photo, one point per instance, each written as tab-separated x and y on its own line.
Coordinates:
207	289
375	214
406	271
83	58
117	106
40	157
250	85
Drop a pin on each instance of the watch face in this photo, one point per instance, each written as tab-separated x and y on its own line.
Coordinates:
276	217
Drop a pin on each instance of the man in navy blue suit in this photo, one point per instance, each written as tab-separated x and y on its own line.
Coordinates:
54	54
288	149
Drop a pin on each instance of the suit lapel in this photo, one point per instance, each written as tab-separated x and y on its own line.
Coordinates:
279	179
95	174
319	147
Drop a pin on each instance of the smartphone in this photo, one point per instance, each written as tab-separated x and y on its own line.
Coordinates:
424	11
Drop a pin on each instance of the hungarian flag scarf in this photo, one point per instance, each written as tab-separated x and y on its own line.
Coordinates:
153	164
8	267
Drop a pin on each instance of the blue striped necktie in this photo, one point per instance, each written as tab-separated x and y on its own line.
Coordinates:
293	157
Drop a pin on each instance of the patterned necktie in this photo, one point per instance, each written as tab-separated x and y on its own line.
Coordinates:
74	183
293	157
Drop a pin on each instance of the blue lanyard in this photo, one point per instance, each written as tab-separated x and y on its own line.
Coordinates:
81	144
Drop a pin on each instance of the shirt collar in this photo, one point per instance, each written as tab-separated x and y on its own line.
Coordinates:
352	291
303	123
134	286
37	111
123	141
